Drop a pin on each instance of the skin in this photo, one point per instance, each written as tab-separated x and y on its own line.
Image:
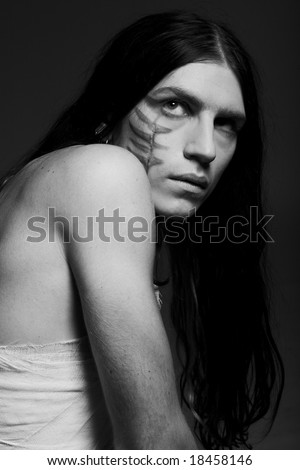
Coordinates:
41	283
188	123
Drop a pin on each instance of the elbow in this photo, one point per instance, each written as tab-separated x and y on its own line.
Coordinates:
175	436
179	438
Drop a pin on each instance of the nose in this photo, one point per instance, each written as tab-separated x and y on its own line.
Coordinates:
200	144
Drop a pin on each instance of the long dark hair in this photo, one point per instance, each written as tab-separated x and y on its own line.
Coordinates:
231	366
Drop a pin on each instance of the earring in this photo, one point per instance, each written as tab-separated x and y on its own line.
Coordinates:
100	128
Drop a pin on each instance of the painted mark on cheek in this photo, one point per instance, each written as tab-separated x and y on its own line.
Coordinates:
149	123
143	141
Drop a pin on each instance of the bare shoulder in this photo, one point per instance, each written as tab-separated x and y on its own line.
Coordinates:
78	175
93	161
96	158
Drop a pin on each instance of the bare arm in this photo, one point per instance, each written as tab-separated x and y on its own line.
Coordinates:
114	279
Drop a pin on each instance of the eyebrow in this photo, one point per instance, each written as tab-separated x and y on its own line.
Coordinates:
197	102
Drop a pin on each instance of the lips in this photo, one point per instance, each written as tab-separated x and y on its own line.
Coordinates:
200	181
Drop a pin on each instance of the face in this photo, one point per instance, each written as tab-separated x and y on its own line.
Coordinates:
185	133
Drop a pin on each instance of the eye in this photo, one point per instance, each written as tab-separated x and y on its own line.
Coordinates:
175	108
227	126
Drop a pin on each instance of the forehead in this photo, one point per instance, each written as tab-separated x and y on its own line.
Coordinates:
214	85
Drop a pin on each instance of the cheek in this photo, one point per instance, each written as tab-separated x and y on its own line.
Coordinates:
137	137
225	150
149	137
220	164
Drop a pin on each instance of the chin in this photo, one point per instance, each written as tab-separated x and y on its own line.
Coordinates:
180	209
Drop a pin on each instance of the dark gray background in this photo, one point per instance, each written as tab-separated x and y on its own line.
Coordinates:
47	49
